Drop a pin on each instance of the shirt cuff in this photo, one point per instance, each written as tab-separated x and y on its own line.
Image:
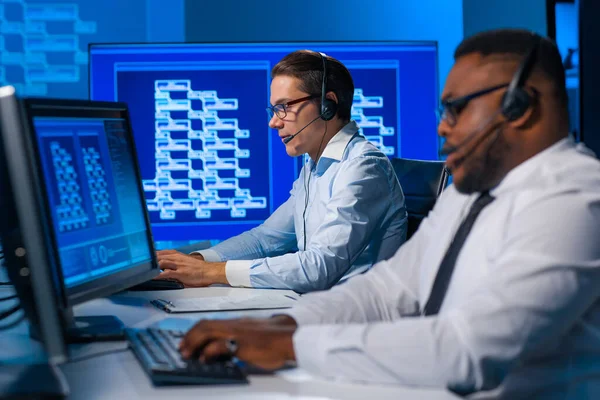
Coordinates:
313	344
301	315
237	273
209	255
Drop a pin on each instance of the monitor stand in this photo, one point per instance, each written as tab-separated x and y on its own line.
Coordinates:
97	328
35	381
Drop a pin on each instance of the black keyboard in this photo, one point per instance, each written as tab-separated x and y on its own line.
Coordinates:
157	351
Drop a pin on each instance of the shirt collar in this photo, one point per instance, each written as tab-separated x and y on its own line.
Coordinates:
334	150
336	146
523	171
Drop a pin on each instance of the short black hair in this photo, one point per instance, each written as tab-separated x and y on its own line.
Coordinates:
307	65
519	42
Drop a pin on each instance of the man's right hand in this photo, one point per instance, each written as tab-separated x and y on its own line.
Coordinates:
263	343
191	270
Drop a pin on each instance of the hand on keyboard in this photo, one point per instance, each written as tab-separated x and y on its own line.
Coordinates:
190	270
157	351
265	343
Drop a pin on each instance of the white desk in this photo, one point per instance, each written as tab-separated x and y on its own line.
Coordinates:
119	376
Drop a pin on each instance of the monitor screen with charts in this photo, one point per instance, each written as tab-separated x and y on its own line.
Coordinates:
87	164
211	166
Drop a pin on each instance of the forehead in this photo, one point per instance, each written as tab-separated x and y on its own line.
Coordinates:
284	87
474	72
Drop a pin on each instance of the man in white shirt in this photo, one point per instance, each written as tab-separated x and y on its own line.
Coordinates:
345	211
497	292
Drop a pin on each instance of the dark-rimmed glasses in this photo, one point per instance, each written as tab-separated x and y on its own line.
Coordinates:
281	109
450	109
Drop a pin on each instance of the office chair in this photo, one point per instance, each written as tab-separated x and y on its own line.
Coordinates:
422	182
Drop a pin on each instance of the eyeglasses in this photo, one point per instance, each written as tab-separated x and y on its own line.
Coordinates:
281	109
450	109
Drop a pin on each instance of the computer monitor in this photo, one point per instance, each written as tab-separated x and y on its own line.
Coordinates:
211	166
83	155
29	257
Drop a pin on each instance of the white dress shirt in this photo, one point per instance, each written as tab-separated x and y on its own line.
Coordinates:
521	317
349	205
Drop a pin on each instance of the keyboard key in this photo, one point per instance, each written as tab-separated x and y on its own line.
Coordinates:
158	352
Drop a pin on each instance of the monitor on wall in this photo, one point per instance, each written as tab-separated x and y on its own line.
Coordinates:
211	166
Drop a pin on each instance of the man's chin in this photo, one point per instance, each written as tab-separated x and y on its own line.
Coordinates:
465	184
464	189
292	152
474	184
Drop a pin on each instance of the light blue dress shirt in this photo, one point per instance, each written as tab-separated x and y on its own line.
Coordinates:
354	217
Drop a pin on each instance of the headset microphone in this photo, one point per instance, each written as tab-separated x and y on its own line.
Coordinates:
451	149
288	139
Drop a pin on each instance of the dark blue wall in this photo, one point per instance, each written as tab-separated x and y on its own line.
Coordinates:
481	15
331	20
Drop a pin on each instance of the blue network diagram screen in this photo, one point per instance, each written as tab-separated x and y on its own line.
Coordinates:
211	166
91	184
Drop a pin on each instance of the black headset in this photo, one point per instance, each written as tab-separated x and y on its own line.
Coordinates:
516	101
328	106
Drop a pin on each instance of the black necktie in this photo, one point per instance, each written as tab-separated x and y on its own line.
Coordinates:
442	279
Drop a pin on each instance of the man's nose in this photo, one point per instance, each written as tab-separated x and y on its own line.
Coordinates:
275	122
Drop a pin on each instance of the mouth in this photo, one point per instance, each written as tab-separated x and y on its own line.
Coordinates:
284	137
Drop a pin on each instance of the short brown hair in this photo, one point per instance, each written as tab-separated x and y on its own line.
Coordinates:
307	66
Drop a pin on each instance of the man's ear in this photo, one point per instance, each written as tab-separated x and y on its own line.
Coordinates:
332	96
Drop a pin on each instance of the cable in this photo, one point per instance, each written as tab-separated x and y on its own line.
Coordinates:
306	190
9	312
5	283
12	324
307	186
14	296
98	354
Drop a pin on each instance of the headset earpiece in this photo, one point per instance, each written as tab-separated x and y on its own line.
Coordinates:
516	101
515	105
328	106
328	109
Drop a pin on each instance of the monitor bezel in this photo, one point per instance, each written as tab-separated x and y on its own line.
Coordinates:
26	238
275	43
113	283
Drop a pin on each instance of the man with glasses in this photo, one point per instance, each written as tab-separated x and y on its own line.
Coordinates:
345	212
496	294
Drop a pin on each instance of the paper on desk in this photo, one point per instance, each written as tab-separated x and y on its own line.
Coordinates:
277	396
295	375
223	303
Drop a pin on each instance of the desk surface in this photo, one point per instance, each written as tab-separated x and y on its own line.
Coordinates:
119	376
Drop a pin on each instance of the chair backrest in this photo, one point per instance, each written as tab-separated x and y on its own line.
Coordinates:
422	182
